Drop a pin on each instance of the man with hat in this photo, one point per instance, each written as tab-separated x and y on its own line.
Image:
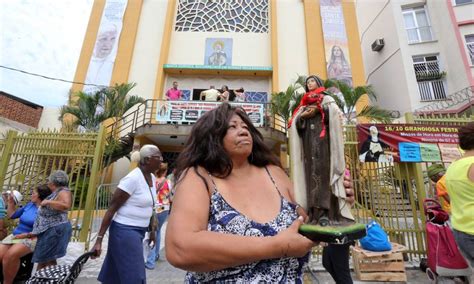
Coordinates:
436	174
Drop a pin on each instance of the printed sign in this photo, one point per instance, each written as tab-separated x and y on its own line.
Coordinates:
407	143
190	112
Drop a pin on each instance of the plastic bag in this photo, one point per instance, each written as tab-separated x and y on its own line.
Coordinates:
376	239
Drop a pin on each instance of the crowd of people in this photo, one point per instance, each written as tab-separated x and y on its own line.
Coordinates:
223	95
43	228
234	215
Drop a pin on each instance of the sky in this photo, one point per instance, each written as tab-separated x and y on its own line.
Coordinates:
43	37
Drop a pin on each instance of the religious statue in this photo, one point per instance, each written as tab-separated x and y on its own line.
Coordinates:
317	148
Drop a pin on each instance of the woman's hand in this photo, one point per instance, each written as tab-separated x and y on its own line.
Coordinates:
10	199
292	243
45	202
152	239
22	236
301	212
97	249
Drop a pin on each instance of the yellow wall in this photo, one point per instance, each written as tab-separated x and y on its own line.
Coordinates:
165	48
355	51
274	44
314	38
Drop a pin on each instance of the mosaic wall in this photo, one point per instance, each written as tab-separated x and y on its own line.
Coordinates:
245	16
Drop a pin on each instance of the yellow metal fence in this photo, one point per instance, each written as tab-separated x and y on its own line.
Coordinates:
393	193
388	193
28	159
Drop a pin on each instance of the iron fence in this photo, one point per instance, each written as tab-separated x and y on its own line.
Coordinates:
29	158
461	102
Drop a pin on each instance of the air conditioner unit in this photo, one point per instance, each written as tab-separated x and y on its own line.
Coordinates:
378	44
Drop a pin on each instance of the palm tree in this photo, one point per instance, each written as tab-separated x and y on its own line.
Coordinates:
347	99
283	103
85	111
118	100
89	110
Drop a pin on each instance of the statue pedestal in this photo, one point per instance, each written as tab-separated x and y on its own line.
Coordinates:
333	234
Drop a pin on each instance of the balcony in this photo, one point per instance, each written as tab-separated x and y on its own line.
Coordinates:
169	123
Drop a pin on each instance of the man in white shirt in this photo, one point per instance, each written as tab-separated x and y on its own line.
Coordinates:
210	95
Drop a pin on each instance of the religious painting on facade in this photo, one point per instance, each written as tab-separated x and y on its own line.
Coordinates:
99	72
335	41
218	52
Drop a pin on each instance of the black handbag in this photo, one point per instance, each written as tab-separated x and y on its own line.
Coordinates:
153	226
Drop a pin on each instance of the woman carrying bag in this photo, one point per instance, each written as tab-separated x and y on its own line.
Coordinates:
128	221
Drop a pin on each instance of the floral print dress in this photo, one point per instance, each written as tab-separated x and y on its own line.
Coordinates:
225	219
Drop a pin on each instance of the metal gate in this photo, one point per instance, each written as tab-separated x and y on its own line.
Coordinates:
390	194
27	159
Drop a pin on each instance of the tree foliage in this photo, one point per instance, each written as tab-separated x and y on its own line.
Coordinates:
347	97
89	110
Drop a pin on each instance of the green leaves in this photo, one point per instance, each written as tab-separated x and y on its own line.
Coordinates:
283	103
347	98
89	110
377	114
86	111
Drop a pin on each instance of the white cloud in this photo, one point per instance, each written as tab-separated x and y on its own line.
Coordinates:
43	37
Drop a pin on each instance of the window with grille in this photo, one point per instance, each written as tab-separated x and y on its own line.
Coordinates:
470	46
429	77
417	25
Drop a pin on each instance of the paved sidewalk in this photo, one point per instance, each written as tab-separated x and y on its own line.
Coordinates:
165	273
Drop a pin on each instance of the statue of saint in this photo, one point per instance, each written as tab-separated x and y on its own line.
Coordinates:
318	163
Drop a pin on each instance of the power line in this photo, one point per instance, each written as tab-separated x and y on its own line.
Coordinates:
51	78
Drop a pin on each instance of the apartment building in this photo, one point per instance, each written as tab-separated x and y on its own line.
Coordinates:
419	54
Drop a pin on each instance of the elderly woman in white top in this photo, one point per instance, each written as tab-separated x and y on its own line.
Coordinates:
128	217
